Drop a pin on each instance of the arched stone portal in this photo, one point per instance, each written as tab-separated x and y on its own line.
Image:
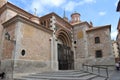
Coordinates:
65	54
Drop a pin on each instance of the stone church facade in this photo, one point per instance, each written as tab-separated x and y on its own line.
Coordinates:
32	44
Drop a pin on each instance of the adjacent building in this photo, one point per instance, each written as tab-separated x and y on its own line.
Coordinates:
115	50
118	28
32	44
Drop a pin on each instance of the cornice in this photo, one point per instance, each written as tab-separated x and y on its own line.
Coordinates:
19	18
98	28
54	14
18	10
81	23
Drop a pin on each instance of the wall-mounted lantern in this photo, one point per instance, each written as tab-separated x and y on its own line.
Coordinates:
7	36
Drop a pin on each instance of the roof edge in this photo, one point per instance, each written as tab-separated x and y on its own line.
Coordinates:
99	27
17	10
20	18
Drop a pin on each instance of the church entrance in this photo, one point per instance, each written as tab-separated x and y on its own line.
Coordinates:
65	57
64	49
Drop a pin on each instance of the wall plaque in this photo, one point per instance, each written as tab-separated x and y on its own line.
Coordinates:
80	34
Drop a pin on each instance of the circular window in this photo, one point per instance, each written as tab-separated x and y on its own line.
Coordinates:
75	42
23	52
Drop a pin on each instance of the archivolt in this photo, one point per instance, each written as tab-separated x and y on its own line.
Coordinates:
64	36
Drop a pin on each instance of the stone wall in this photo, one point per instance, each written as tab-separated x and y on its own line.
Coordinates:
3	16
80	46
105	45
37	47
6	15
4	44
26	67
10	14
7	51
2	2
34	40
8	46
118	39
85	46
7	67
1	33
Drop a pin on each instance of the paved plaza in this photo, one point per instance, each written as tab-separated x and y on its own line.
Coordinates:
115	75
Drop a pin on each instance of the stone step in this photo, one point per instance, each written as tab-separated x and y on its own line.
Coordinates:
62	72
19	79
62	75
83	77
57	76
98	78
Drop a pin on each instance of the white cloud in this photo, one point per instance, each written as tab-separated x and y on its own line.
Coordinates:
36	5
56	3
90	1
43	5
52	3
86	2
70	6
23	1
102	13
113	35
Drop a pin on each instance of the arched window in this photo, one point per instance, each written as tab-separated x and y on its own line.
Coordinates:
44	23
97	40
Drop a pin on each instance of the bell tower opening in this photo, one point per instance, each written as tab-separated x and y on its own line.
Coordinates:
75	18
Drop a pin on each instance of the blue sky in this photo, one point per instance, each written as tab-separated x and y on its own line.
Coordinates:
100	12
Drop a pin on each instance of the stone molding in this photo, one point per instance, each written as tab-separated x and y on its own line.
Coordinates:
18	18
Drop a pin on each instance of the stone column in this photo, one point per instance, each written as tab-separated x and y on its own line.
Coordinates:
73	48
86	47
54	52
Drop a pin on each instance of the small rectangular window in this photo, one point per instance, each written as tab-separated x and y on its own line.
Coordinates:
98	54
97	40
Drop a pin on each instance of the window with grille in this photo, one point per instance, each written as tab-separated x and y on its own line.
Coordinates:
97	40
98	54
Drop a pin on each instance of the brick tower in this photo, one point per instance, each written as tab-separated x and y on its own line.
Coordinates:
75	18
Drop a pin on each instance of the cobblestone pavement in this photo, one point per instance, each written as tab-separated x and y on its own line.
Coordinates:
114	75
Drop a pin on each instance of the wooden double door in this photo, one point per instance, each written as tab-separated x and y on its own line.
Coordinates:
65	57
